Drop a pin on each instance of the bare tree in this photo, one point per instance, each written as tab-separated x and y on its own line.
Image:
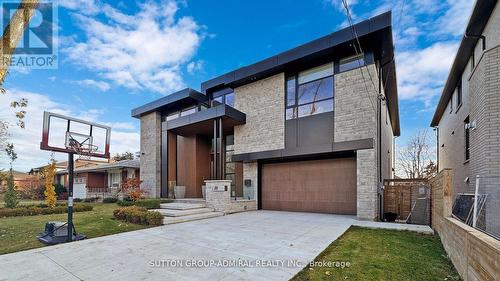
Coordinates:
415	158
14	31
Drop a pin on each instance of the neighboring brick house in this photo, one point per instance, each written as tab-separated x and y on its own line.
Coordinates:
468	114
311	129
101	180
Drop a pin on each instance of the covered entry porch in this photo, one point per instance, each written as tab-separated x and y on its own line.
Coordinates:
199	147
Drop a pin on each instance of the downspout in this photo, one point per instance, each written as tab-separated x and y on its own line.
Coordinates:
436	129
379	147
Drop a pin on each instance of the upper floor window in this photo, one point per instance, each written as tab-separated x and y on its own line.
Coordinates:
172	116
459	94
353	62
310	92
472	62
224	99
188	111
467	138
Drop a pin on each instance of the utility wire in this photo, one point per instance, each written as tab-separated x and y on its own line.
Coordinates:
358	50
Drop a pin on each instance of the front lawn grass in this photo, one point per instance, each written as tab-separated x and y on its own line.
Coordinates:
18	233
379	254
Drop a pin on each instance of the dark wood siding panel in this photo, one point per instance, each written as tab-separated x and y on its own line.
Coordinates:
323	186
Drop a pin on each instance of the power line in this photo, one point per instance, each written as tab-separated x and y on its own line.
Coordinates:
358	52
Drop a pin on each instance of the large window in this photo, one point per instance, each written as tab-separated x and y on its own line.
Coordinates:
310	92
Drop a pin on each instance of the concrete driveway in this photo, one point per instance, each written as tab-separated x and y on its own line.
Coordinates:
259	245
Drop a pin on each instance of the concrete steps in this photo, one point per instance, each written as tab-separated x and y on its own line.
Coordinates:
189	200
172	220
182	206
184	210
180	213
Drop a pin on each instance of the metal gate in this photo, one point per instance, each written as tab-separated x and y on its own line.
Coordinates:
407	201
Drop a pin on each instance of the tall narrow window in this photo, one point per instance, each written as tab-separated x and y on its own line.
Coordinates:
459	94
472	62
467	138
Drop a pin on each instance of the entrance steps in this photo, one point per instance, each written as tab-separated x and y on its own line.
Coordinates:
184	210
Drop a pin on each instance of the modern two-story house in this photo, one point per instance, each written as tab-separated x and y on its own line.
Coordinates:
310	129
467	117
468	114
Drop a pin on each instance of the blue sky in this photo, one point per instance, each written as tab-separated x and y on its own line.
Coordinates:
117	55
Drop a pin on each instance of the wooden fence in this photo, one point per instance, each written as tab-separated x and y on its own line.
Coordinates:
408	199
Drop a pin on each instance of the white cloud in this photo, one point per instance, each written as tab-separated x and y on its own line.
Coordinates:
88	7
455	19
426	36
194	66
421	73
101	85
27	141
142	51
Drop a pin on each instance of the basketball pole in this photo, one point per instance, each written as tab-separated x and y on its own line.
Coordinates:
70	196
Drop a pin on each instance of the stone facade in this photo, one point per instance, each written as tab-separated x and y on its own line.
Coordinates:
151	154
366	169
263	102
355	105
355	112
218	197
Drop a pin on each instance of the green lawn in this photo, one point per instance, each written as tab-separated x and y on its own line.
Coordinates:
18	233
377	254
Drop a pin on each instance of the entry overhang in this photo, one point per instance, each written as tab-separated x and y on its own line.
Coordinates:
202	121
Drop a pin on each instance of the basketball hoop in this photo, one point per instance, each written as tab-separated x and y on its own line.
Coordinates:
81	145
74	136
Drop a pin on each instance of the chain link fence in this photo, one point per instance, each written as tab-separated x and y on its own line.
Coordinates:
480	207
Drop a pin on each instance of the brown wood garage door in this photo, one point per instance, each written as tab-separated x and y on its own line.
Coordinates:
321	186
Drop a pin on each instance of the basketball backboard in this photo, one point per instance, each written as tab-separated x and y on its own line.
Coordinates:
71	135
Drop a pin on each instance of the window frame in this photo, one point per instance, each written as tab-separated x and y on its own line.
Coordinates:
350	59
467	139
459	95
295	106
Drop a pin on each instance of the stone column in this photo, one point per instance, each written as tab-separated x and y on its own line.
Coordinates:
218	194
151	154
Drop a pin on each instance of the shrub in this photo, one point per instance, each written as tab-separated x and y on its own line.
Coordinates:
50	190
90	200
60	189
11	196
77	199
109	200
132	188
138	215
33	210
125	203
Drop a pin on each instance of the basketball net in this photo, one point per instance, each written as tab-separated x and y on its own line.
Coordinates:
84	150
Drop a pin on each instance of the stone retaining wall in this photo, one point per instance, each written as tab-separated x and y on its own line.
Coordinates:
475	255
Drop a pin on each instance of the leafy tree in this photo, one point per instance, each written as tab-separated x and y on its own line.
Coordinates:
11	197
50	191
125	156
